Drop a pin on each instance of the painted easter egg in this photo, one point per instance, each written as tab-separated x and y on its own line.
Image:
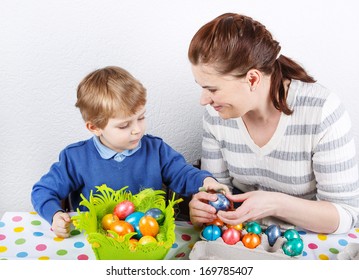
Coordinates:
123	209
211	232
253	227
251	240
108	220
148	226
231	236
291	234
222	202
218	222
273	233
293	247
157	214
237	227
121	227
134	219
147	240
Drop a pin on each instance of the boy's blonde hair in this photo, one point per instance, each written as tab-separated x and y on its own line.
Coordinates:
109	92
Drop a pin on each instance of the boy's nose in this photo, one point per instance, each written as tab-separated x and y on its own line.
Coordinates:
135	131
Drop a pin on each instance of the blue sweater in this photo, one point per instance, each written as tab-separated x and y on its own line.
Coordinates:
81	168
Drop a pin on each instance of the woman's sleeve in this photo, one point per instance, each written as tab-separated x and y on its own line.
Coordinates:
335	163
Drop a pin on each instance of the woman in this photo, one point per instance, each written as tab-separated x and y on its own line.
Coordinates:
271	133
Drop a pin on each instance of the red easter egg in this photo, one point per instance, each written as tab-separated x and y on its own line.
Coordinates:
123	209
231	236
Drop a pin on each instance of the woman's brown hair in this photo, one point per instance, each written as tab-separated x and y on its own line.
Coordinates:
235	43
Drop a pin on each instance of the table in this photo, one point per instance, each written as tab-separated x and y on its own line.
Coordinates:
25	235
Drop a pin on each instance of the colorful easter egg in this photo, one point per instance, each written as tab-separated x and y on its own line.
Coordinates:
211	232
134	220
149	226
253	227
231	236
222	202
273	233
157	214
251	240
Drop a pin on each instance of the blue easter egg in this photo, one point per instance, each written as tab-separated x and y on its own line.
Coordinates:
211	232
134	220
157	214
222	202
273	233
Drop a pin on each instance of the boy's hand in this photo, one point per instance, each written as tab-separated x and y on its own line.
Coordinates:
61	224
210	184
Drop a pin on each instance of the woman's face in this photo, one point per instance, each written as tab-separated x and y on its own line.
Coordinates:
228	95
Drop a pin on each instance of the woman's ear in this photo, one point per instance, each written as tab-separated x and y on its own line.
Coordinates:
93	128
253	77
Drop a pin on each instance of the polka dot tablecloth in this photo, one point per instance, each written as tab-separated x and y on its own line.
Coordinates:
326	247
25	236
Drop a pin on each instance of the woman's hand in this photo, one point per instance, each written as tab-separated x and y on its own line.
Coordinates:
255	205
61	224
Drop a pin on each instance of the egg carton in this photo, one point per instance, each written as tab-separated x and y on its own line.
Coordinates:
351	252
219	250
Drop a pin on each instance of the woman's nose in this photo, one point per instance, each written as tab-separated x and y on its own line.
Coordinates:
205	98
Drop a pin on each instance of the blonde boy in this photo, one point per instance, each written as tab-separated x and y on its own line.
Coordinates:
112	103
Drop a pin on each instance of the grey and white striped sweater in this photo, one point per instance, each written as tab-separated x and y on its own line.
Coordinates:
311	155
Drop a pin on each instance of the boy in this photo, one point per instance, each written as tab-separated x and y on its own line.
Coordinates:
112	103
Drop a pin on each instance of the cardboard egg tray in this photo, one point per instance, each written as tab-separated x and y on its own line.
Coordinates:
218	250
351	252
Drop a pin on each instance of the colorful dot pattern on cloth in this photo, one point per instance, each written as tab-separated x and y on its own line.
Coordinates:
326	247
26	236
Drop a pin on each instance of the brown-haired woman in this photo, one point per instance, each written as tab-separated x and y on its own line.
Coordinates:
281	141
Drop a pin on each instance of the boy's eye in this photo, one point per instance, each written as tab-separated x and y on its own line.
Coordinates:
123	126
141	118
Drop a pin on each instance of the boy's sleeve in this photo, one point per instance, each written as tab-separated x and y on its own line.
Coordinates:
178	175
54	186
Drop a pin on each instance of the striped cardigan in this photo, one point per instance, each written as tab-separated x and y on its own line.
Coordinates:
311	154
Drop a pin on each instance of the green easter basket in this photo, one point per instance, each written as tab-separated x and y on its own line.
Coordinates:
119	247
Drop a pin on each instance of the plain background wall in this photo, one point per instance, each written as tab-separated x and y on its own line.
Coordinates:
47	47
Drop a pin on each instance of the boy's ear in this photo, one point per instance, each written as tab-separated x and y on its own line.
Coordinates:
93	128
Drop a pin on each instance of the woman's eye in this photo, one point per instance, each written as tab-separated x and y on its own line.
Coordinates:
212	90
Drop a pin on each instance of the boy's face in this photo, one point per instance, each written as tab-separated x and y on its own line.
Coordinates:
123	133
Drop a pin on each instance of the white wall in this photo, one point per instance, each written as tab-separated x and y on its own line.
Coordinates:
47	47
